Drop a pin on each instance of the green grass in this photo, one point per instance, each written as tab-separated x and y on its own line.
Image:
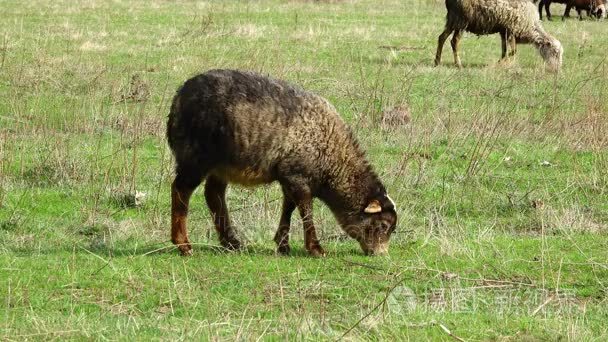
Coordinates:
501	177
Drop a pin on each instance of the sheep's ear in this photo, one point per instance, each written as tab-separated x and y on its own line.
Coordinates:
373	207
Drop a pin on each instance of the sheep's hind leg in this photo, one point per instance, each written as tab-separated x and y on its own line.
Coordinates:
455	42
282	235
512	45
215	195
441	40
186	181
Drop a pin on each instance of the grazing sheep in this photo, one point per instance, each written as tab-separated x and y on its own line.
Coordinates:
229	126
514	20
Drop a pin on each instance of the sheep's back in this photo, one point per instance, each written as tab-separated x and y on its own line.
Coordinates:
248	126
492	16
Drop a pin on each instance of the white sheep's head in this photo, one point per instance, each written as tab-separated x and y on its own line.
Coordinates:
552	51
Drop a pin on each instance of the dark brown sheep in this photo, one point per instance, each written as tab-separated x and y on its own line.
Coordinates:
596	8
228	126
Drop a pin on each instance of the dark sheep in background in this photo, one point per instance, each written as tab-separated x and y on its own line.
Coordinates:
515	21
595	8
547	4
229	126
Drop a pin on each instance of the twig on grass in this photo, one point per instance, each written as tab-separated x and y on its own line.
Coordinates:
439	324
107	262
354	263
172	246
447	331
549	300
482	280
382	302
158	250
58	333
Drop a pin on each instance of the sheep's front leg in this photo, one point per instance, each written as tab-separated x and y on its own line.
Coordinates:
215	195
442	37
299	192
455	42
282	235
311	242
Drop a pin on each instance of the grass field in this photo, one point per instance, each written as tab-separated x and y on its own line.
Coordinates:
501	177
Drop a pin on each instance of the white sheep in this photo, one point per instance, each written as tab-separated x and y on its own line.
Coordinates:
515	21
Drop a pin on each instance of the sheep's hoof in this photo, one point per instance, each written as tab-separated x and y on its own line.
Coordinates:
317	252
504	61
231	244
185	249
284	250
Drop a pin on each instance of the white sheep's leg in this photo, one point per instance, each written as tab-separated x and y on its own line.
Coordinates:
512	45
442	37
455	42
503	45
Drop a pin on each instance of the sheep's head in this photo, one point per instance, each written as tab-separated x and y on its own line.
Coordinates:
552	51
373	225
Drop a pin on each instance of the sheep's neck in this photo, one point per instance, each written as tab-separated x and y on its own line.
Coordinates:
350	181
